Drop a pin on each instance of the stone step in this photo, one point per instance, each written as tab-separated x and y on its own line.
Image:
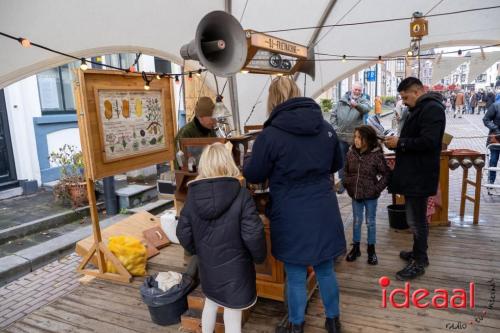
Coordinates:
134	195
153	207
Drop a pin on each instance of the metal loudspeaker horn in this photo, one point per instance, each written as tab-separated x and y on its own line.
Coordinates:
308	66
219	44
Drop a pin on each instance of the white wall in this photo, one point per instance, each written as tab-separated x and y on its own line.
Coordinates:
23	104
56	140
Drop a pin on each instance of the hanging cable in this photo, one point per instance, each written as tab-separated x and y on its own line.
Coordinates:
257	101
379	21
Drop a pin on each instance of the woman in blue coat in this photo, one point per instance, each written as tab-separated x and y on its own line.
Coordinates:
297	152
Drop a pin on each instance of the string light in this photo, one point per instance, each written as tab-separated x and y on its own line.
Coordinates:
84	66
190	76
244	72
459	52
344	58
158	76
409	53
146	86
132	69
177	79
380	61
199	72
25	42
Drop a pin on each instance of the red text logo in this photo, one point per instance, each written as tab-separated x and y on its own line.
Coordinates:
423	298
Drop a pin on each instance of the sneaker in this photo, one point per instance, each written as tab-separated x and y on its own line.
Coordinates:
411	271
332	325
408	255
354	253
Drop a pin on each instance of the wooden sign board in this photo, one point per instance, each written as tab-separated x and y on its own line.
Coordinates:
122	126
271	55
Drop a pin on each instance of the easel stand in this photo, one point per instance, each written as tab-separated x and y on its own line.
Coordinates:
94	90
100	249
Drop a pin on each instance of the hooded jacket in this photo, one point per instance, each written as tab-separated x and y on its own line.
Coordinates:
366	174
492	121
416	172
219	223
345	118
297	151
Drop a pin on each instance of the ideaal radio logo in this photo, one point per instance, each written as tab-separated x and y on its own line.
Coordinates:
422	298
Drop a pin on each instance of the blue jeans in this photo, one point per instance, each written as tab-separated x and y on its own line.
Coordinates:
344	148
494	153
296	276
358	208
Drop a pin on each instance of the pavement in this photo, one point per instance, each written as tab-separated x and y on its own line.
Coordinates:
45	284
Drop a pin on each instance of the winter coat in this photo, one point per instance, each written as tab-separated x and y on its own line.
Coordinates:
490	99
194	129
416	172
298	151
220	224
345	118
492	121
459	100
473	100
366	174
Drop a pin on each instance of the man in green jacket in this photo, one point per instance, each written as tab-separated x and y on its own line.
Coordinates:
347	115
202	125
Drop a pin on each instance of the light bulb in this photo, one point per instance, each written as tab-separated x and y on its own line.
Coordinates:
244	71
146	86
84	66
158	77
344	58
25	42
220	111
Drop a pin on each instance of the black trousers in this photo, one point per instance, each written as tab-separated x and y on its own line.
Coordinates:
416	211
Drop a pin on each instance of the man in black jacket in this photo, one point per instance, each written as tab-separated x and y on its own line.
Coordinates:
416	173
492	121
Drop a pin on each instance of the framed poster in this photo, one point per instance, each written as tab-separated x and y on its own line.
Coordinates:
131	122
122	126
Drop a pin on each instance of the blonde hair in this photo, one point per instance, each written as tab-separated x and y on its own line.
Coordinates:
281	89
217	161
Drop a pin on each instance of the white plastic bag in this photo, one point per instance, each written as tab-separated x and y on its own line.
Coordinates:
169	225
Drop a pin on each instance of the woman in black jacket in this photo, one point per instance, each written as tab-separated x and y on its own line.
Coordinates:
297	152
220	224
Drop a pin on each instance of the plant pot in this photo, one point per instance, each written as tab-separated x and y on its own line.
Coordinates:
78	194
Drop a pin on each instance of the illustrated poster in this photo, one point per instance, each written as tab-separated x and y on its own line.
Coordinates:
132	122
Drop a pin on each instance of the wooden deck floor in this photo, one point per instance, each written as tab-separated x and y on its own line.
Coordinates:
459	254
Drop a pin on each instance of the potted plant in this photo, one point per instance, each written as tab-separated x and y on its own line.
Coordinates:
72	186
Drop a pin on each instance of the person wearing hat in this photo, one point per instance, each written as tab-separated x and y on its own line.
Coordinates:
202	125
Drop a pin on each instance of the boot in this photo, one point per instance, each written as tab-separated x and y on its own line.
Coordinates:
293	328
411	271
372	256
332	325
354	253
408	255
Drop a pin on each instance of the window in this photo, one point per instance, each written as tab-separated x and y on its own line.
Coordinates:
400	65
55	90
481	78
122	60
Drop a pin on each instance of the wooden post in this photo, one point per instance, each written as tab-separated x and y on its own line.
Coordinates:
477	194
464	191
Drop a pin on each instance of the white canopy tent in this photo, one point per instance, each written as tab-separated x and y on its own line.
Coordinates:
160	28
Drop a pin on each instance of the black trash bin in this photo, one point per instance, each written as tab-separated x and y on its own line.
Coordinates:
166	307
397	217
